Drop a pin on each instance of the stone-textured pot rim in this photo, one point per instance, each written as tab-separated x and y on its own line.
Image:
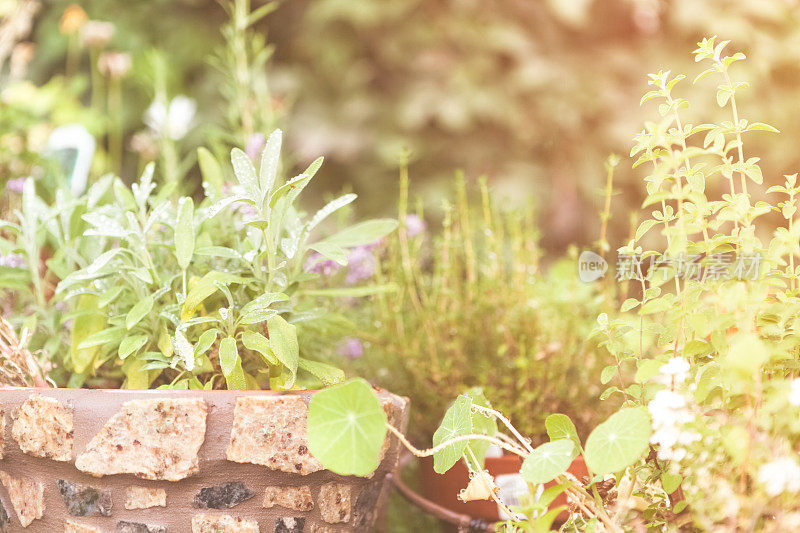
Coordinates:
59	443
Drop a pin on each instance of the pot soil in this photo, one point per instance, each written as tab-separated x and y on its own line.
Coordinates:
443	489
101	461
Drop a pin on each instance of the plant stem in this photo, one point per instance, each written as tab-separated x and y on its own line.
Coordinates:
436	449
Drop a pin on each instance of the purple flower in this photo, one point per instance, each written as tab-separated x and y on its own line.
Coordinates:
15	185
12	261
351	348
414	225
255	143
361	264
315	264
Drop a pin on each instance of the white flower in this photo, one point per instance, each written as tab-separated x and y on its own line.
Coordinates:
675	371
794	393
669	412
171	120
780	475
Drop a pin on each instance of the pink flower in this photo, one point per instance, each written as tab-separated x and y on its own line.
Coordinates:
414	225
351	348
15	185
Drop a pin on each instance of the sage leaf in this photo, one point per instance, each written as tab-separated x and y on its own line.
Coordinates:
228	355
184	232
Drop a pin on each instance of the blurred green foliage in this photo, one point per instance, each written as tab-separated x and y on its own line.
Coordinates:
532	94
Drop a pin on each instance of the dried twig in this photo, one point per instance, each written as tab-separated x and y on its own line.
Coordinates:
18	367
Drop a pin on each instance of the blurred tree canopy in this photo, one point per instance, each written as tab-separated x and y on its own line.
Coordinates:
533	93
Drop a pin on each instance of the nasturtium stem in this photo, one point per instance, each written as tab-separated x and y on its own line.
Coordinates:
491	412
436	449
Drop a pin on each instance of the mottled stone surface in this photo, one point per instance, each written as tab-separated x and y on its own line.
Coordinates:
222	496
137	527
27	497
43	428
290	524
209	523
321	528
2	432
144	497
143	437
334	502
74	527
4	519
294	498
366	508
84	501
271	431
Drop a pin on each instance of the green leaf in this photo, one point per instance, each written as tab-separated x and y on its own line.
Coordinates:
629	304
256	316
760	126
206	341
331	251
619	441
481	424
131	344
137	374
246	174
237	379
270	157
139	311
548	461
328	375
228	356
670	482
363	233
210	169
296	184
283	341
608	374
330	207
109	296
106	336
205	287
644	227
257	342
85	325
184	232
457	421
347	428
559	427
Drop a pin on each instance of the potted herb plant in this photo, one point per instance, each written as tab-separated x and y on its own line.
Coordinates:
201	300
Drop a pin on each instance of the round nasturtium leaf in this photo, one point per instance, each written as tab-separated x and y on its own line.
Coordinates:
347	428
619	441
560	426
548	461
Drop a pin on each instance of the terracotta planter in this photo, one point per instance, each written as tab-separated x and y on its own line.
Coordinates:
443	489
91	461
